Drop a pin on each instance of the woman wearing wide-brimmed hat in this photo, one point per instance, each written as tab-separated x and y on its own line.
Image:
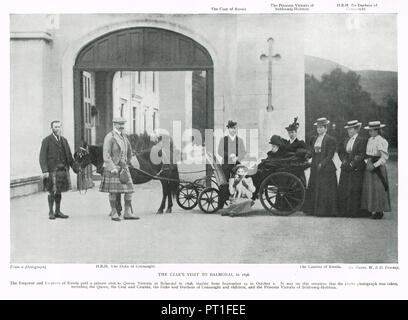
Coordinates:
321	193
375	195
352	154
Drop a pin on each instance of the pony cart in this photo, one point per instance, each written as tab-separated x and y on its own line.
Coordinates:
280	186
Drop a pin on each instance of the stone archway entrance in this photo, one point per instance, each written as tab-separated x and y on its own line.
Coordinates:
135	49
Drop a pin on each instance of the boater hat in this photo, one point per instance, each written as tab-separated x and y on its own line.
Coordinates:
119	120
231	124
374	125
293	126
352	124
322	122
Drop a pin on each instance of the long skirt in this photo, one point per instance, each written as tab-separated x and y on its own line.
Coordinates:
374	197
58	181
111	183
321	194
350	186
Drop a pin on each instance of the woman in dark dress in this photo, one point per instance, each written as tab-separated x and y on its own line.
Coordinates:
296	147
321	193
352	154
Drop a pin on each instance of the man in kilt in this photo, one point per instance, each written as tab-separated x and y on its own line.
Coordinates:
117	154
55	161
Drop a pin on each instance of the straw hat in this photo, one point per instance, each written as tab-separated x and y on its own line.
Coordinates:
374	125
352	124
322	122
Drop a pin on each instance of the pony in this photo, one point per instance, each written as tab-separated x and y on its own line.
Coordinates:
165	172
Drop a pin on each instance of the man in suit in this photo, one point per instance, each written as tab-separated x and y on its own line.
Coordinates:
55	161
231	150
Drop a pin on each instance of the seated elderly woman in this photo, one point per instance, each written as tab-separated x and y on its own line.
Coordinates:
241	189
280	156
278	150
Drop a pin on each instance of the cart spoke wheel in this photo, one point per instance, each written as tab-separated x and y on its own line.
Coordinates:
208	200
282	193
187	196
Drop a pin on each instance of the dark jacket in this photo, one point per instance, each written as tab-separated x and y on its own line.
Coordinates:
353	161
280	154
298	147
228	147
53	153
325	157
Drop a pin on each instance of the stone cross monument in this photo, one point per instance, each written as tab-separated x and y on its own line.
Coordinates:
270	57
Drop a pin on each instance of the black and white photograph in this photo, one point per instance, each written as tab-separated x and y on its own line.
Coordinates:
203	138
227	149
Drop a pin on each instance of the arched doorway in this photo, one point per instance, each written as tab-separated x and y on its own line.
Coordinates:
135	49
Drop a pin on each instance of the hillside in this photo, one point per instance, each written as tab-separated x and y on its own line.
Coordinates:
378	83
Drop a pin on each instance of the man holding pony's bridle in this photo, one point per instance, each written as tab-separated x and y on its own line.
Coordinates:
55	161
117	154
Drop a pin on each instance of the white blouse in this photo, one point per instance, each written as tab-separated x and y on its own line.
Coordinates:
319	140
350	143
378	147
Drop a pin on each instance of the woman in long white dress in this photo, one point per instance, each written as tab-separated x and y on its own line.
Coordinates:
375	195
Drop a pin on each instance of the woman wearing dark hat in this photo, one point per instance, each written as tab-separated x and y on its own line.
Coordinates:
352	171
241	189
276	152
277	149
296	146
321	193
375	192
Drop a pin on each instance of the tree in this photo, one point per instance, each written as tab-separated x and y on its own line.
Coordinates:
339	97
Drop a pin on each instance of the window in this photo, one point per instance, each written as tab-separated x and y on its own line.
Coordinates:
89	86
144	121
134	119
154	121
153	81
133	82
138	76
122	105
85	82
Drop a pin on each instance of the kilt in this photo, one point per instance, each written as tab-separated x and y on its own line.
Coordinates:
110	183
374	198
58	181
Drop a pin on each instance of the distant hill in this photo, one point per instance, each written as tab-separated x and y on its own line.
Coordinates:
378	83
318	66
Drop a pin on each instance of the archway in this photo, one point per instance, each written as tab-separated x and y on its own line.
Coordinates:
136	49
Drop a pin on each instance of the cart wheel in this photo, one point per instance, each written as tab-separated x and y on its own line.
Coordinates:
208	200
282	193
187	197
